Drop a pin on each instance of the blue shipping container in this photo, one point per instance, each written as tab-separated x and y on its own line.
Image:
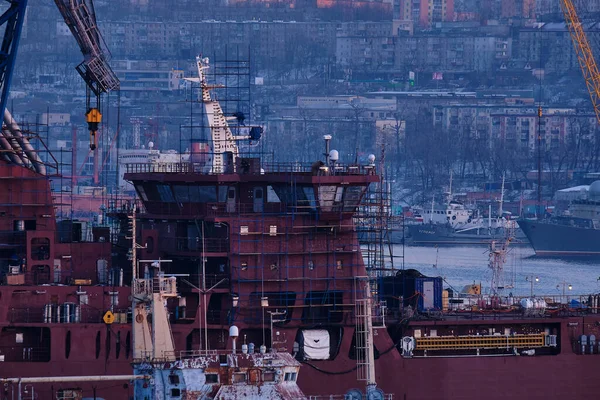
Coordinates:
430	290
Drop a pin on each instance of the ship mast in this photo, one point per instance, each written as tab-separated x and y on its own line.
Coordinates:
496	264
224	147
148	297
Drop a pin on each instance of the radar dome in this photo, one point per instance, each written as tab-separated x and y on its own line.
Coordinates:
334	155
234	331
594	190
151	145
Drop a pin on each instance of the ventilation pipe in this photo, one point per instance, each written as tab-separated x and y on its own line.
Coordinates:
31	153
12	151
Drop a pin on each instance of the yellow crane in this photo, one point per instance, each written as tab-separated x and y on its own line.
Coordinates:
585	56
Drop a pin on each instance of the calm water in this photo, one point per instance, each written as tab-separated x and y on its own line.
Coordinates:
464	265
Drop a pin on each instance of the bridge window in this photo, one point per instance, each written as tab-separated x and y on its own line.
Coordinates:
352	196
142	192
165	193
195	194
302	196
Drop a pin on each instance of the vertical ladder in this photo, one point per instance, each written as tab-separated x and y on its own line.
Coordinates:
361	340
365	358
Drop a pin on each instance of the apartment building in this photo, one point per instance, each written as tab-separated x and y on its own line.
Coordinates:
516	126
426	12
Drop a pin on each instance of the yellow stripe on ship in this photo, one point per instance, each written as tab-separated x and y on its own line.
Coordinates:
480	342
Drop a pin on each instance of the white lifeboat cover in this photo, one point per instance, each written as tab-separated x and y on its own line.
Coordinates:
316	344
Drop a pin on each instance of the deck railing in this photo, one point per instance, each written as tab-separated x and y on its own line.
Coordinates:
202	169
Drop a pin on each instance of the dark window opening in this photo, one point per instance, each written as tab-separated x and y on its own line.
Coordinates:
107	344
165	193
174	379
296	195
175	392
216	237
68	345
118	346
212	378
195	194
278	301
290	376
323	306
41	274
98	343
255	336
222	196
149	244
40	248
352	196
214	312
30	225
27	344
127	344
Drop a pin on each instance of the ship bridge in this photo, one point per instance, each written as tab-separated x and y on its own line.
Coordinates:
185	189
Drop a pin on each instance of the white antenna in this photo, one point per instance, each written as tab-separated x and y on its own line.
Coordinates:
450	188
432	204
501	196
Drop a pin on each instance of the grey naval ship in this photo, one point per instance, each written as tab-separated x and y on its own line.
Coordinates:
575	233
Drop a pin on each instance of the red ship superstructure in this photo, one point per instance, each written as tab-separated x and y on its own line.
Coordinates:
55	281
272	249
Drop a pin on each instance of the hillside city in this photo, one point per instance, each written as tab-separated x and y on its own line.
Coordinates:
431	87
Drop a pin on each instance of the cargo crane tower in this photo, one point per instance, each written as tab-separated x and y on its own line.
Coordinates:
585	56
80	17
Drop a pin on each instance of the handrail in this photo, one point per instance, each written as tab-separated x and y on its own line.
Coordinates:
267	168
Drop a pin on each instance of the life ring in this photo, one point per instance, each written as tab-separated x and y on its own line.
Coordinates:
469	220
453	217
139	318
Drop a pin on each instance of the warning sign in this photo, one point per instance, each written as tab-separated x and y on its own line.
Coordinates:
109	318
